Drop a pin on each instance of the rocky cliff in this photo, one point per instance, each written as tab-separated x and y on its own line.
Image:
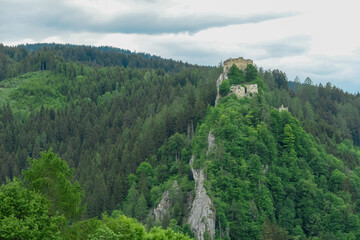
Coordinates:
165	204
221	78
202	213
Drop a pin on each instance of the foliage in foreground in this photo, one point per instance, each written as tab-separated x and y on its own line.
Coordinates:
43	210
52	177
25	214
120	227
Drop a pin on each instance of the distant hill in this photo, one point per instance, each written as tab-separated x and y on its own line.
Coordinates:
37	46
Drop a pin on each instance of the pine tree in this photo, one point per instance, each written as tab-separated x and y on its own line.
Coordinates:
141	208
288	137
131	200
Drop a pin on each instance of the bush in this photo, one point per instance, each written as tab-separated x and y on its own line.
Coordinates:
224	88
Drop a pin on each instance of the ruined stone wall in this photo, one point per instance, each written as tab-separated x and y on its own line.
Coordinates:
240	62
238	90
282	108
251	88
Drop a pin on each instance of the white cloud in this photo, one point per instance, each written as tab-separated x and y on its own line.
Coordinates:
305	38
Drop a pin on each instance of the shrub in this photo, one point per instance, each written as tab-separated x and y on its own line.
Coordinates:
224	88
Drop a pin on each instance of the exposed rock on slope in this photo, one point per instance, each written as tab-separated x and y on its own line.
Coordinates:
202	214
165	204
221	78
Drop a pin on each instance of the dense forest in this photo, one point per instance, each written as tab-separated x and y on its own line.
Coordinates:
127	124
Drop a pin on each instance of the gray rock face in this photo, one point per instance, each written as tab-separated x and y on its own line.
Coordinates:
202	213
165	204
221	78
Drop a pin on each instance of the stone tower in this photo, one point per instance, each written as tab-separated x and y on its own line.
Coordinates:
240	62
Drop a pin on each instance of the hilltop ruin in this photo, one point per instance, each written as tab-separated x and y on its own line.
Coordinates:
247	90
239	62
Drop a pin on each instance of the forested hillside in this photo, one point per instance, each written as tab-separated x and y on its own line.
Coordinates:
104	121
269	179
128	125
326	112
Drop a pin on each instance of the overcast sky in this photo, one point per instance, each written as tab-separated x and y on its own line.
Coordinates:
314	38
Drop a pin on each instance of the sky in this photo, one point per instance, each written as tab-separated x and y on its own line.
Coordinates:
305	38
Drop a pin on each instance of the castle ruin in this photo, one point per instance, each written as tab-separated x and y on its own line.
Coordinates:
251	89
240	62
239	90
247	91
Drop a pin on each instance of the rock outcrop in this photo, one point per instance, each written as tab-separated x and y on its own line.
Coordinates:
221	78
202	213
165	204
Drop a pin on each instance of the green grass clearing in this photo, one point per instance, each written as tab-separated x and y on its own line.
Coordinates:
31	91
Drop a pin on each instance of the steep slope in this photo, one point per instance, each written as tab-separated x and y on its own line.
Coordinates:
202	214
269	179
258	175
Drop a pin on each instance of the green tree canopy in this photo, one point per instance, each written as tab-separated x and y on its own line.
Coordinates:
125	228
224	88
288	137
308	81
250	73
52	176
120	227
24	214
236	76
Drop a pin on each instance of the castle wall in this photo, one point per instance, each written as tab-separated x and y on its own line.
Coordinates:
238	90
251	88
240	62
